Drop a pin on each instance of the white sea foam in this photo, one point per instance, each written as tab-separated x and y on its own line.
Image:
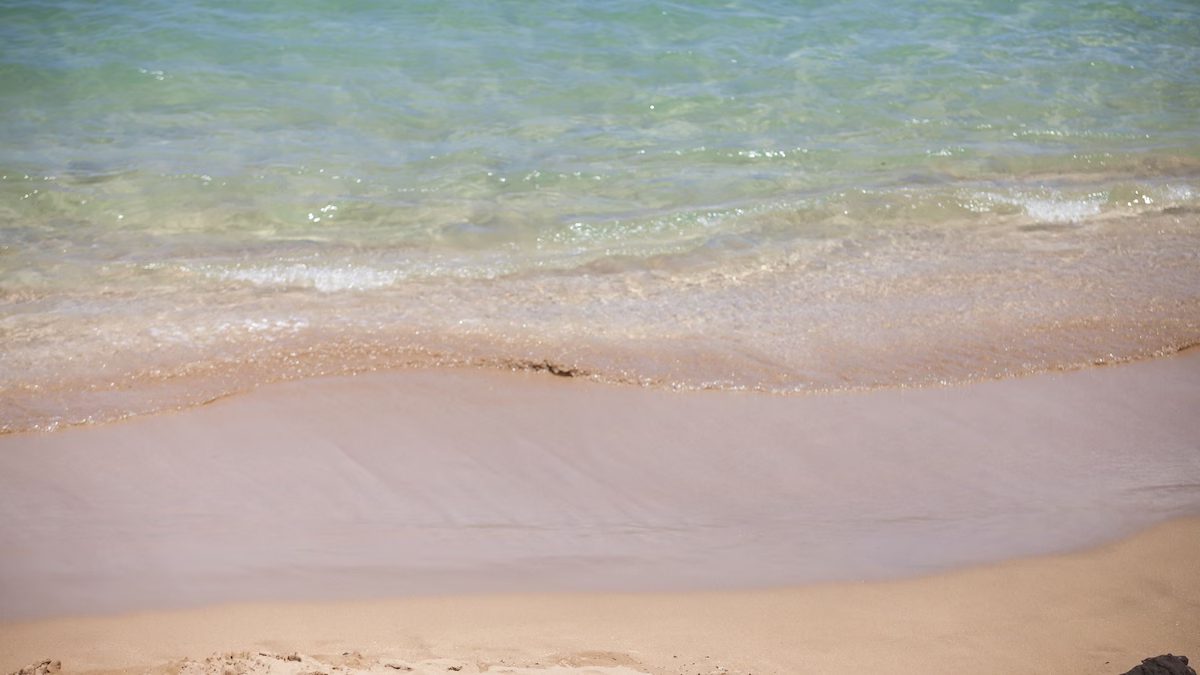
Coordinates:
1060	210
206	332
266	325
1180	193
1043	209
326	279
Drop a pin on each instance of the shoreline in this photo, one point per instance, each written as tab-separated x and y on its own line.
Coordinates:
461	483
1101	610
150	405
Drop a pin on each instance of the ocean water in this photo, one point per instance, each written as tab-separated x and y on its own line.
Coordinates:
779	195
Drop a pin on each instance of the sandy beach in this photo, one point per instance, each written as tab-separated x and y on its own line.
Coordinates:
618	338
521	519
1099	611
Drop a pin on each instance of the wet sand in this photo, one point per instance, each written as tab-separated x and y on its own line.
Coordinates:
426	493
434	482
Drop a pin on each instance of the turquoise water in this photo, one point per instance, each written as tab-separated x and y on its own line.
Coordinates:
785	196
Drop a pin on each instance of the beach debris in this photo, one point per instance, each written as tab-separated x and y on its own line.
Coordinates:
1166	664
46	667
546	366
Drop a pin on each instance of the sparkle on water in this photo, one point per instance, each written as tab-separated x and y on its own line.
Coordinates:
764	194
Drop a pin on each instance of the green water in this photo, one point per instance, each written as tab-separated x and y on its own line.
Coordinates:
777	195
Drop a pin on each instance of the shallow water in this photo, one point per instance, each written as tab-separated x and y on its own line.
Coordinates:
770	195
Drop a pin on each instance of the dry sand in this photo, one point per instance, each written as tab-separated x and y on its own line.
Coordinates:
410	500
1099	611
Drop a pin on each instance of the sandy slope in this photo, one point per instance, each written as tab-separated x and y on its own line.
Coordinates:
490	521
432	482
1099	611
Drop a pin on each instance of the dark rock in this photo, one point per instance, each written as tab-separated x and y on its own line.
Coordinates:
1167	664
